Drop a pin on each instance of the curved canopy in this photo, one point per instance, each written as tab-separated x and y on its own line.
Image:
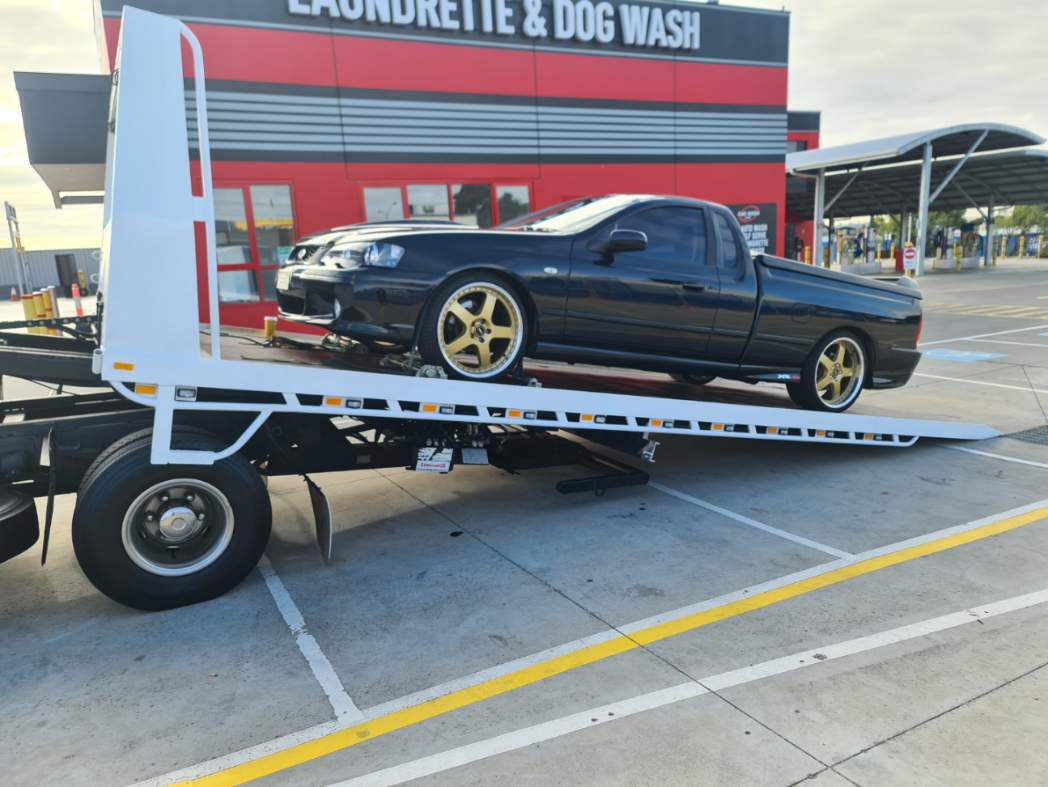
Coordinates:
949	141
1016	177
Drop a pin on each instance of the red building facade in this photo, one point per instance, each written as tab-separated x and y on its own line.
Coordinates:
329	112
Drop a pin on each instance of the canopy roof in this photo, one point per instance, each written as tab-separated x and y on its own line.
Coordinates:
949	141
1016	177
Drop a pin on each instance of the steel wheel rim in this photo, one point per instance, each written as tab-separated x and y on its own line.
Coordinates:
839	372
177	527
483	324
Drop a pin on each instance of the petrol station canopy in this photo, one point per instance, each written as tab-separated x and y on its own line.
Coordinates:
960	166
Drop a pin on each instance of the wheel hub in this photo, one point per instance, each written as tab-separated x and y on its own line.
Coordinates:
179	524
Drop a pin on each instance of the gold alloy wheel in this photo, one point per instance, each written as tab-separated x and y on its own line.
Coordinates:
480	330
840	372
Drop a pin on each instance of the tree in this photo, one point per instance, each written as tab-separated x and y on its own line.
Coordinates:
946	218
1024	218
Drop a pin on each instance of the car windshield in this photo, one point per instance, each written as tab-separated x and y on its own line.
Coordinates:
571	216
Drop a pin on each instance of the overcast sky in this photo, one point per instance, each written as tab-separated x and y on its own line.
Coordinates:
874	68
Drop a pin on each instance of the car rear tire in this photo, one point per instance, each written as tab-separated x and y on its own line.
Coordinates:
833	376
476	328
156	537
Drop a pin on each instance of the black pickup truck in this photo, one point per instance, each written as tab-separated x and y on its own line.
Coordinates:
658	283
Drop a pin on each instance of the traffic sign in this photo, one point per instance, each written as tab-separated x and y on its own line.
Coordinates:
909	258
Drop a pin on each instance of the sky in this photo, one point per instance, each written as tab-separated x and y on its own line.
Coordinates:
873	67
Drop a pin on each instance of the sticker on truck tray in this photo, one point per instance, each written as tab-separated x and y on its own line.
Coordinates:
433	460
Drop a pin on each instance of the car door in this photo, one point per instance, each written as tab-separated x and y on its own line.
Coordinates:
658	301
737	302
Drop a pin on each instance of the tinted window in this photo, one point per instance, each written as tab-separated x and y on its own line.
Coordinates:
428	201
383	204
513	202
676	237
472	203
729	251
274	223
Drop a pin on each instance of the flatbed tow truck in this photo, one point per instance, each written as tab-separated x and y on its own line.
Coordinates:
168	457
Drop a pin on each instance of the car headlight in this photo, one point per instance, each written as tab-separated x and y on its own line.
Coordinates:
383	255
335	257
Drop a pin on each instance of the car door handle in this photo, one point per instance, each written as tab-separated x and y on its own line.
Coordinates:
696	286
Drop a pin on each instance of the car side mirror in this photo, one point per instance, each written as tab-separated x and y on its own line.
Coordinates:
626	240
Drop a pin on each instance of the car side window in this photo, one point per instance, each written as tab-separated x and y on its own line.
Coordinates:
676	238
729	253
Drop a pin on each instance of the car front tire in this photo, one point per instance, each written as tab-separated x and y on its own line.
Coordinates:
476	328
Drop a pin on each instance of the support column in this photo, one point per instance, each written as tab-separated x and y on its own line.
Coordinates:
820	208
923	205
988	260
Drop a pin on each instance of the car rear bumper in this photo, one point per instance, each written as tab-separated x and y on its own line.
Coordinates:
895	368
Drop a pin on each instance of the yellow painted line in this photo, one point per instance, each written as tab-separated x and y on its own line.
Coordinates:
298	754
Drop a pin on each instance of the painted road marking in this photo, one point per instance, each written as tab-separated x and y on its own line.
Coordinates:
833	574
960	356
1014	344
1026	388
1003	458
986	335
745	520
991	310
576	722
343	705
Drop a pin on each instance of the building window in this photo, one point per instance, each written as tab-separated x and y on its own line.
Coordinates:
513	202
383	204
796	145
472	204
476	204
255	231
429	201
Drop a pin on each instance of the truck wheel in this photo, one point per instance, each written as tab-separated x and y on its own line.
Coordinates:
476	328
833	376
161	536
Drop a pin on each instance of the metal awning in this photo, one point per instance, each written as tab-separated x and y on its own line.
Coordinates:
1016	177
948	141
882	176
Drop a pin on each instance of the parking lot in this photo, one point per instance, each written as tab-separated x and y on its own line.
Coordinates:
758	614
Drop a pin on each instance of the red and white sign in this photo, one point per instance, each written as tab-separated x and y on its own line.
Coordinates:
909	258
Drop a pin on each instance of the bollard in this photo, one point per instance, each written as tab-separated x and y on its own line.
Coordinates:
1022	245
75	289
56	312
40	313
270	328
807	254
14	295
82	277
957	256
49	310
29	310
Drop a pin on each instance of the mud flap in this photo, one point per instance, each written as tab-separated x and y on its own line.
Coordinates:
19	524
321	519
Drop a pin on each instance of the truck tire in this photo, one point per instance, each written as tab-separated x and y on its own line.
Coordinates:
833	376
156	537
476	328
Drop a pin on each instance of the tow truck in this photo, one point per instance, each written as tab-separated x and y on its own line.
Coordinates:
169	456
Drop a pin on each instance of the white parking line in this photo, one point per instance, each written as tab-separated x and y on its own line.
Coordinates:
1014	344
985	335
1026	388
745	520
1003	458
345	709
604	714
318	731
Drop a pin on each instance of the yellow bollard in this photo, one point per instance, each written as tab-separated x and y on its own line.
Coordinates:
38	307
957	256
270	328
1022	245
807	254
49	311
29	310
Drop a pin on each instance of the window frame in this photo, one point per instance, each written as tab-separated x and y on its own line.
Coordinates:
244	186
708	264
493	185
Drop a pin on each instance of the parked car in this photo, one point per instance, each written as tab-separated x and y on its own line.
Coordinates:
657	283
